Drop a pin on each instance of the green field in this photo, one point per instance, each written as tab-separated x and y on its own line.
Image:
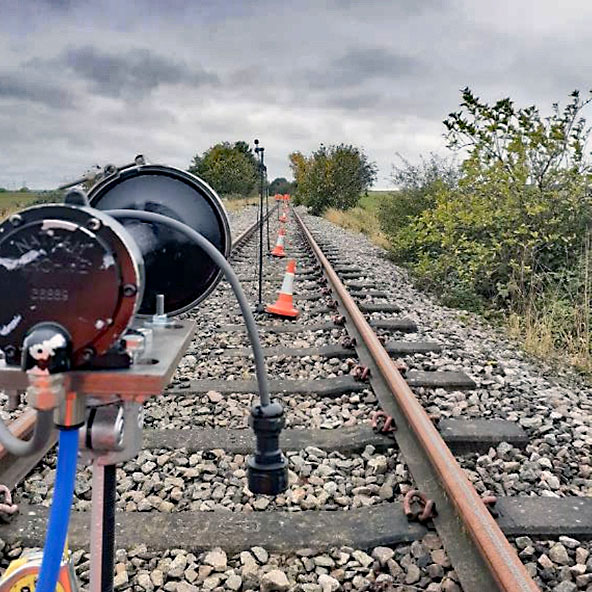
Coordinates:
11	201
363	218
371	201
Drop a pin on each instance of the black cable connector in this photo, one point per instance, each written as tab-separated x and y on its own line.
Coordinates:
268	468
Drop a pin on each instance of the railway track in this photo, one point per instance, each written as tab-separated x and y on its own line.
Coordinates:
349	519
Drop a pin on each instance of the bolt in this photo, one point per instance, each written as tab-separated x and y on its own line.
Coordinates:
160	304
87	354
16	219
130	290
93	224
10	351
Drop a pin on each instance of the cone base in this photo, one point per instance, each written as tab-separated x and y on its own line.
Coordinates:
281	311
275	253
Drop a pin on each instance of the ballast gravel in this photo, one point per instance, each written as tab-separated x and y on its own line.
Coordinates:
422	565
302	411
554	406
174	480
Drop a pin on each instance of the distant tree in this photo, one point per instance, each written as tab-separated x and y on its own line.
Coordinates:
281	185
332	177
231	169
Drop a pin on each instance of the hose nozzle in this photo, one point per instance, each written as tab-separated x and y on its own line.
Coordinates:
267	470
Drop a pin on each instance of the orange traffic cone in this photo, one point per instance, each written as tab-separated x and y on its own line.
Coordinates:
283	218
278	250
284	306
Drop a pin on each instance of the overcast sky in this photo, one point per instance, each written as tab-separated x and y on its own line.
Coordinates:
97	82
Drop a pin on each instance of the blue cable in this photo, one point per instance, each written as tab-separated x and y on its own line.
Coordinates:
59	516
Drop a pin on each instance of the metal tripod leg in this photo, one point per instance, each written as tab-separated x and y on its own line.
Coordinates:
102	534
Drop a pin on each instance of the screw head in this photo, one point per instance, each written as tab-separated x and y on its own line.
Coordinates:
130	290
94	224
10	351
16	219
87	354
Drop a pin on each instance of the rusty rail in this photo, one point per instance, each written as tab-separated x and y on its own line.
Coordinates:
244	237
498	556
15	468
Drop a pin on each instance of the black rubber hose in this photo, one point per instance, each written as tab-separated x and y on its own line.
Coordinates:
219	259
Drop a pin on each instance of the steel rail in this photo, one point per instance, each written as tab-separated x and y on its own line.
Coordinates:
499	558
244	237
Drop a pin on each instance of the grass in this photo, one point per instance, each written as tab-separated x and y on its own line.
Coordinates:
236	204
363	218
545	333
11	201
372	201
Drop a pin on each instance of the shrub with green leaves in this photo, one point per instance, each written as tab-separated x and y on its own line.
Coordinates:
514	223
332	177
231	169
416	190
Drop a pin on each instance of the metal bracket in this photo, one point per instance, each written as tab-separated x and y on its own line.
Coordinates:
383	423
115	433
426	507
361	373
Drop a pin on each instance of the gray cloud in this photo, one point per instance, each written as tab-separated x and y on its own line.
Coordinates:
18	87
85	82
359	65
134	73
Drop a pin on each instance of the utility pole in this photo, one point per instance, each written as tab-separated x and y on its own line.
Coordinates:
259	150
267	211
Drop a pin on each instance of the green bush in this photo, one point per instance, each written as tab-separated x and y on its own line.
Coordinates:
332	177
231	169
417	187
492	240
511	231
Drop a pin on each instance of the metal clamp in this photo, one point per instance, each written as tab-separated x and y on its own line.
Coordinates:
113	433
361	373
348	342
338	320
383	423
426	507
7	507
490	501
